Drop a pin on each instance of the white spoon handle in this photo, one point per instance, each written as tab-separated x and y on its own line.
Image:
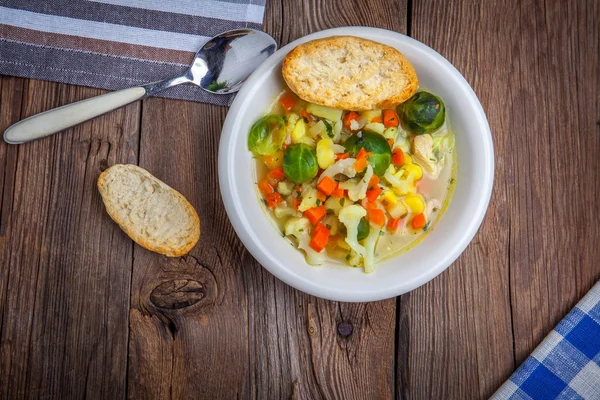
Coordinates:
61	118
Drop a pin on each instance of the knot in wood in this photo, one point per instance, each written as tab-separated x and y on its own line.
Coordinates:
345	328
177	293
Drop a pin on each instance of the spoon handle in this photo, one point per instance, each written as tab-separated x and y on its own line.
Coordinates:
61	118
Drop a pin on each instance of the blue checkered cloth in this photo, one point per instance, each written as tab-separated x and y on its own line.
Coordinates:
566	365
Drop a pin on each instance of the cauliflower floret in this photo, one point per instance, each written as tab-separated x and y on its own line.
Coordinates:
282	211
285	187
351	216
370	243
309	199
345	167
300	228
359	191
333	203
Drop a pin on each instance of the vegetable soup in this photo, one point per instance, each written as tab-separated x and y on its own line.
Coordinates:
353	187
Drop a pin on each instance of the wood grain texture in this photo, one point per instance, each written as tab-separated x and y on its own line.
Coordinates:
196	350
534	66
65	269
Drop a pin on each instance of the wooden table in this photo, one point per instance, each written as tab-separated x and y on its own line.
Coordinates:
86	313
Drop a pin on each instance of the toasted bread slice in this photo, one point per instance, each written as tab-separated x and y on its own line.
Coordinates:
349	73
153	214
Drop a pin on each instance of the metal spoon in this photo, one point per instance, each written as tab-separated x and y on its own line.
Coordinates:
220	66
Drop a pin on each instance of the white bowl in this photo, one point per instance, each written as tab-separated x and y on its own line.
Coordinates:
398	275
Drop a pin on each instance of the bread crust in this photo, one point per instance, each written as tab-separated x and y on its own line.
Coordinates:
349	73
161	205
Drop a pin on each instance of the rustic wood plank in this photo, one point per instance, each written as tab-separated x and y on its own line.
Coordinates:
198	349
535	255
65	265
457	328
554	251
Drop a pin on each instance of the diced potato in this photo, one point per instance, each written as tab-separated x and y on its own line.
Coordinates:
325	155
376	127
415	203
299	131
370	114
324	112
389	199
398	210
390	133
285	187
407	158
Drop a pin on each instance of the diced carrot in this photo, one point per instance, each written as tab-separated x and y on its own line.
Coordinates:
361	164
368	205
349	117
265	187
338	192
373	193
321	196
273	199
390	118
376	216
296	204
287	101
341	156
277	174
373	181
377	119
327	185
393	224
362	153
398	157
315	214
319	240
306	115
391	142
320	228
418	221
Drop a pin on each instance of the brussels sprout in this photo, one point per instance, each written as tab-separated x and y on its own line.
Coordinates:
373	143
300	163
423	113
363	229
267	135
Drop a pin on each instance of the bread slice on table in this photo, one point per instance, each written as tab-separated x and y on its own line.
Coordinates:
153	214
349	73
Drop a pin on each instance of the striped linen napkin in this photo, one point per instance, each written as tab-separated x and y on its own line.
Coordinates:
566	365
114	44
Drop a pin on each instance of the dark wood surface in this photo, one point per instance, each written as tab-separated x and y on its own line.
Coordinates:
86	313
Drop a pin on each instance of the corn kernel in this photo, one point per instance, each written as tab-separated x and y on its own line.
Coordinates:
415	203
407	159
389	198
415	170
